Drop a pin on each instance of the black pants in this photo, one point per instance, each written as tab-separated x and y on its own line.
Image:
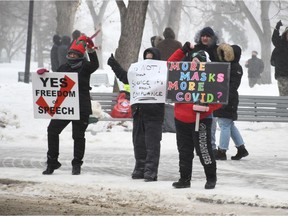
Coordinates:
147	136
187	140
78	134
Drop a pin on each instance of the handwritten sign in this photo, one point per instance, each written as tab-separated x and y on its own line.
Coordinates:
56	96
147	80
206	82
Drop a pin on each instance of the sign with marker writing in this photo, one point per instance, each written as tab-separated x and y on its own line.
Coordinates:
147	80
205	82
56	96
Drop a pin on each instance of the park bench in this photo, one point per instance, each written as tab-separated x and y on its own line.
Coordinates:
263	108
21	76
251	108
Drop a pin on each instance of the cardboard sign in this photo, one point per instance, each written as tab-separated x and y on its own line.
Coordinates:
147	80
206	82
56	96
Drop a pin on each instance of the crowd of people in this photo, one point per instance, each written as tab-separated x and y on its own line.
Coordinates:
148	117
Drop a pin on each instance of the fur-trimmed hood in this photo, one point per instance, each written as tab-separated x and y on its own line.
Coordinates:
214	41
225	52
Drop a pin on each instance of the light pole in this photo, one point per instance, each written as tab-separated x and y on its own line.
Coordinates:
29	42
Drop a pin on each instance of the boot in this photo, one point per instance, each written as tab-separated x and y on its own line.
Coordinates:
211	183
182	183
150	179
241	152
138	174
221	154
51	167
76	170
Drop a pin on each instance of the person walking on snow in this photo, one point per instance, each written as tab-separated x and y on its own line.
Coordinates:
76	63
255	68
227	114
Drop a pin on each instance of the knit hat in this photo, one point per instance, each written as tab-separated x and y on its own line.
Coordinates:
169	33
78	47
202	56
207	31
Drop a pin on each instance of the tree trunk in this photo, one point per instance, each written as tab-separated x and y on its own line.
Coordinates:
97	19
66	11
175	16
263	35
132	26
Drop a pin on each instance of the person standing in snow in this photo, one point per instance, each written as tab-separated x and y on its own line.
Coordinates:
147	126
76	63
279	58
255	68
54	52
63	49
185	120
169	45
227	114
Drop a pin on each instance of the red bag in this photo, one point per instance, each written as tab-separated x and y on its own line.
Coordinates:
122	108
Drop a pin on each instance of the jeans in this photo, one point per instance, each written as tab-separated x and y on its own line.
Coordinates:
213	132
227	130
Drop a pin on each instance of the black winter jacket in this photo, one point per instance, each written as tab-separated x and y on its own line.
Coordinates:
84	72
149	111
280	55
230	110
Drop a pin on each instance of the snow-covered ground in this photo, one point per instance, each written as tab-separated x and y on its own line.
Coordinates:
256	184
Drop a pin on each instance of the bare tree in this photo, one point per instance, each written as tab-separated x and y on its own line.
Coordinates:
132	26
97	19
66	11
263	31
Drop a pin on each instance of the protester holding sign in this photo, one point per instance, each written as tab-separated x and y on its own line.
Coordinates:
76	63
147	125
187	137
227	114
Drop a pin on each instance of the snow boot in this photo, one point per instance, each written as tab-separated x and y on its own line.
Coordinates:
76	170
221	154
241	152
150	179
51	167
138	174
211	183
182	183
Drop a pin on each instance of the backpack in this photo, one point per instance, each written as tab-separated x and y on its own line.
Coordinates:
122	108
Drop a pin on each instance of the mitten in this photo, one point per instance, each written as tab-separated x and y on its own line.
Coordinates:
200	108
90	44
41	71
186	47
278	25
112	62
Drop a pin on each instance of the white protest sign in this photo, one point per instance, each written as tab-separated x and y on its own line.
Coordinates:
147	80
56	96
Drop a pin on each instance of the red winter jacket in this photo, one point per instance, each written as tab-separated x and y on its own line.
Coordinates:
184	111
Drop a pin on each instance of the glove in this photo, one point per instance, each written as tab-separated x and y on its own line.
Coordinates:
186	47
200	108
41	71
112	62
90	44
278	25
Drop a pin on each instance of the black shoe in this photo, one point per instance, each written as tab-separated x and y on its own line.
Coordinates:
210	184
150	179
76	170
137	174
241	152
221	154
215	152
50	168
182	183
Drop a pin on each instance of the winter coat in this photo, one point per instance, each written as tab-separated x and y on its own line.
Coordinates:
280	54
84	72
230	110
184	111
255	67
54	52
149	111
63	49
